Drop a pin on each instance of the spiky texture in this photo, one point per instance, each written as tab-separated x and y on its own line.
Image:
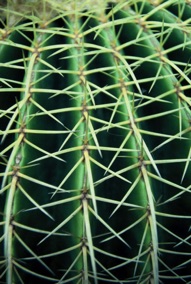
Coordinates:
95	142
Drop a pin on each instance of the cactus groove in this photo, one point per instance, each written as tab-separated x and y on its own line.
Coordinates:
95	152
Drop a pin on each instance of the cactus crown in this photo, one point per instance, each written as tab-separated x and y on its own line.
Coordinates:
95	141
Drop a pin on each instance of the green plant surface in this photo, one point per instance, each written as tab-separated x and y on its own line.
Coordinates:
95	152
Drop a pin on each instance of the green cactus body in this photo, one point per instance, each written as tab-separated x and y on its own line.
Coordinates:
95	142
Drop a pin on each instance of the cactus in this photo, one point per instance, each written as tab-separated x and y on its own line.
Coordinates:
95	141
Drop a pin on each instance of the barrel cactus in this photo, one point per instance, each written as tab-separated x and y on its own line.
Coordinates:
95	141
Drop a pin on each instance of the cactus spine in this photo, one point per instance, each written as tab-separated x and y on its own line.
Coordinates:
95	142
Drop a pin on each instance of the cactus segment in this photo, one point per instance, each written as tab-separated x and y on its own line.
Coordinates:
95	143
